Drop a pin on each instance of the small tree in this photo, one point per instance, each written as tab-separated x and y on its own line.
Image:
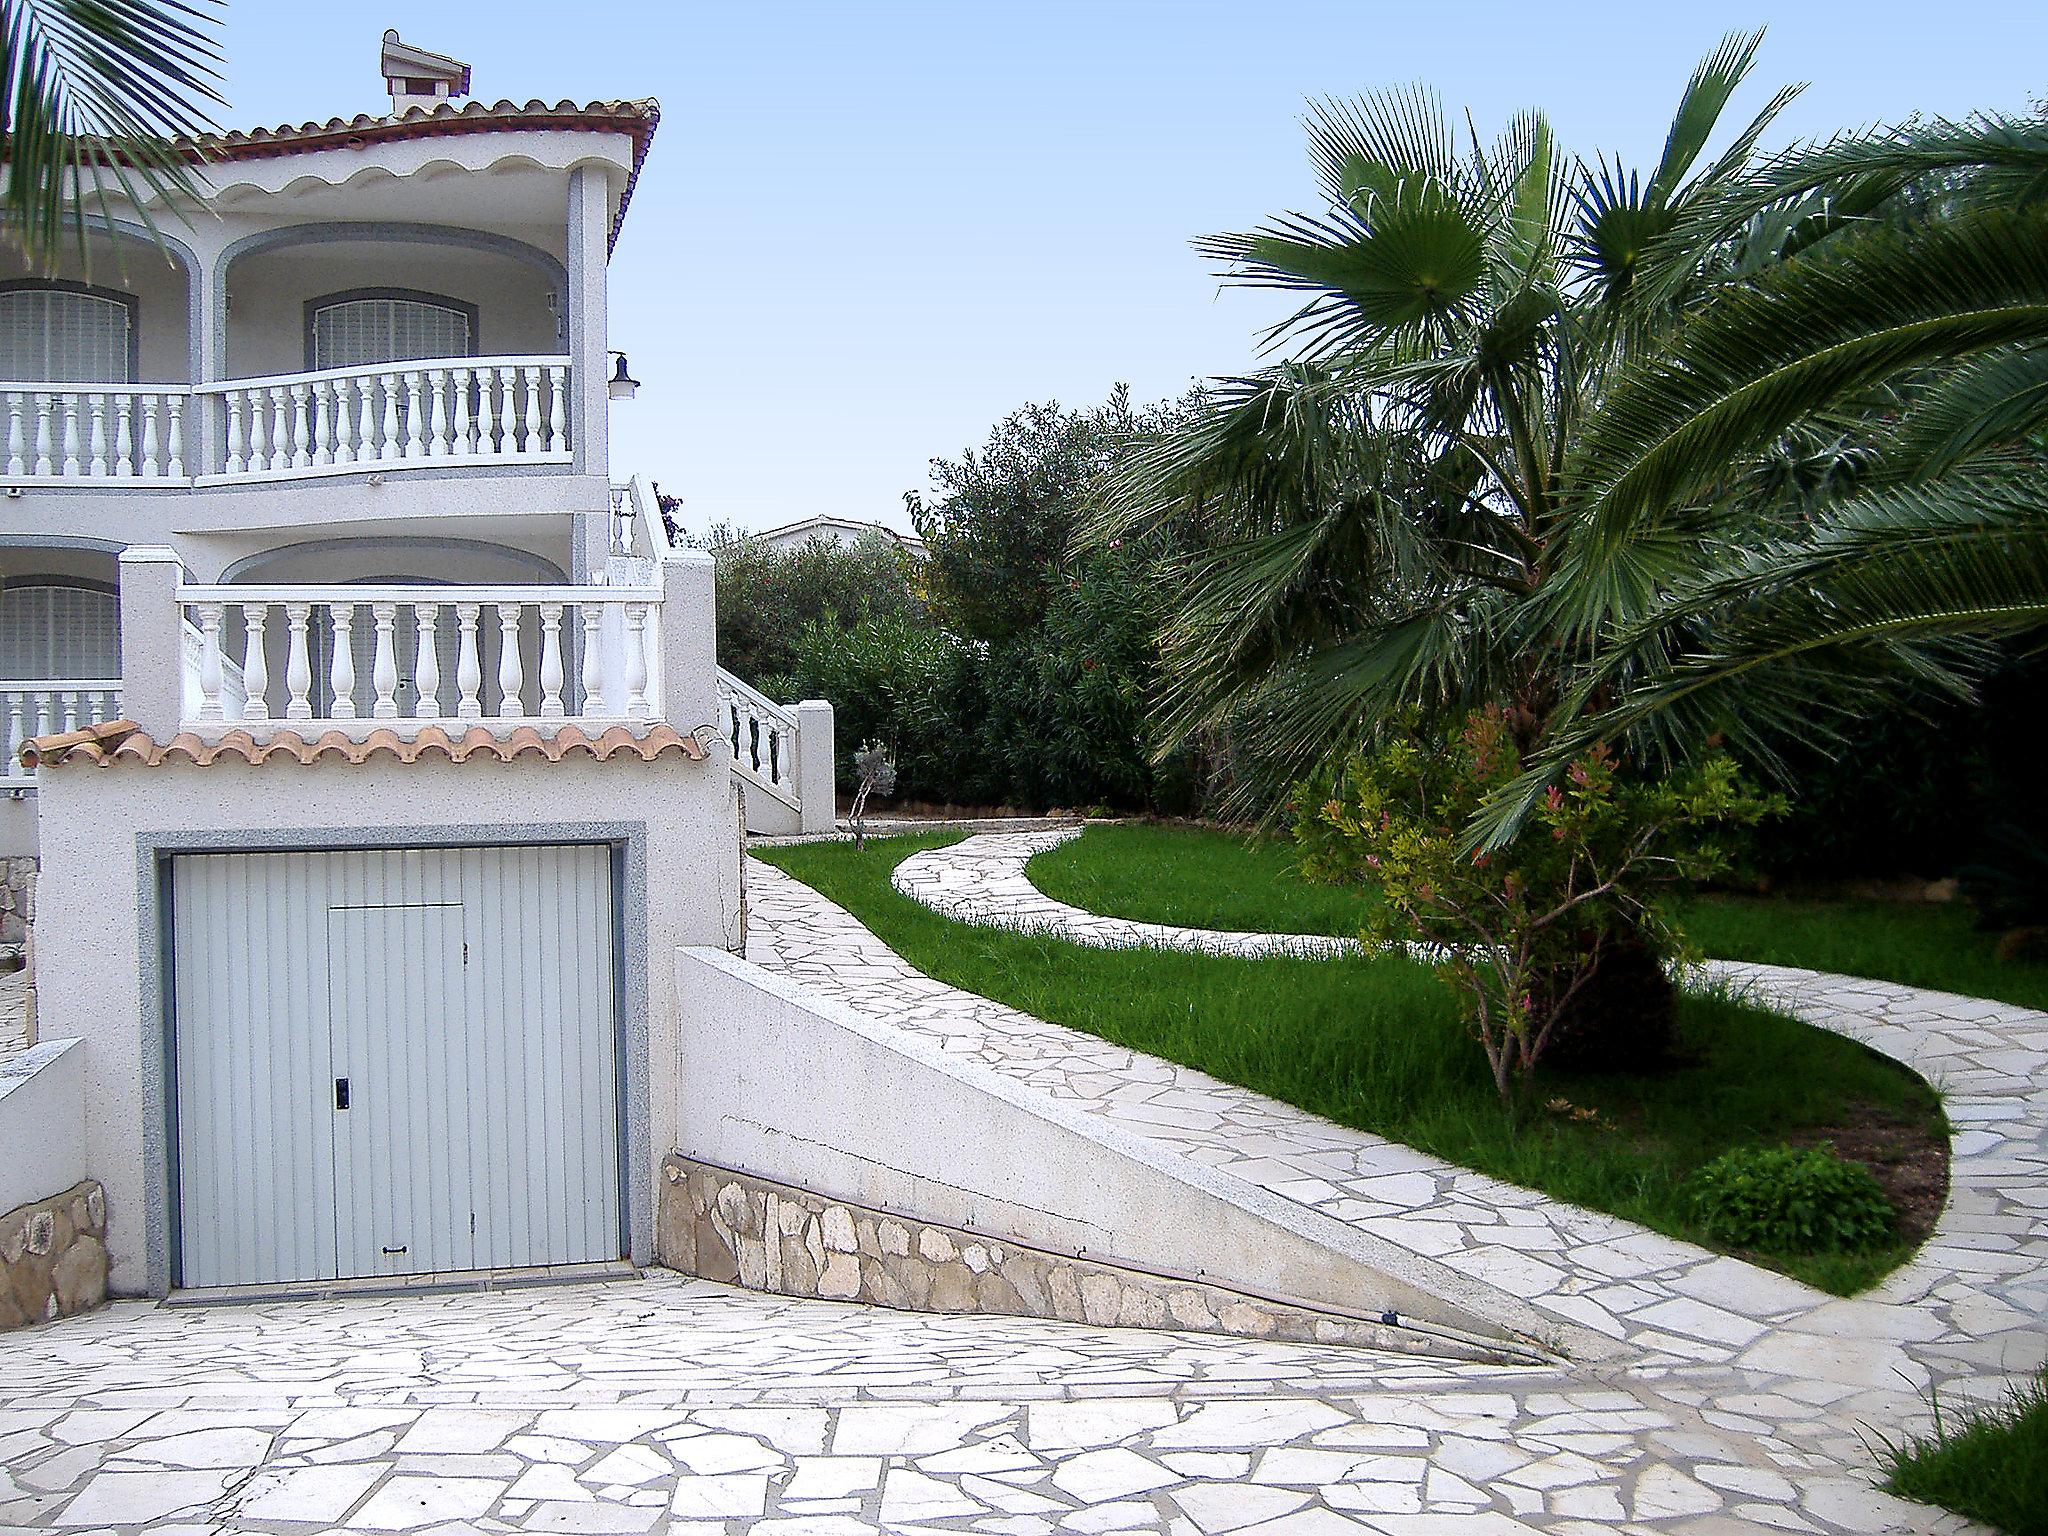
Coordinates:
876	774
1521	933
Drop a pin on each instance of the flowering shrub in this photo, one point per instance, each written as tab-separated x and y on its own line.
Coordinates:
1776	1200
1532	934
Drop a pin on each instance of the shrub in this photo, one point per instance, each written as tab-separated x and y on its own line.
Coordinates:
1533	934
767	595
1778	1200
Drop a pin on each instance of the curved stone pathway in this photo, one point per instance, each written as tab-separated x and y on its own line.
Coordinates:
988	885
1803	1377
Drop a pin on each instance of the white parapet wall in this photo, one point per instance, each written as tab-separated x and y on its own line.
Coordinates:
42	1122
790	1087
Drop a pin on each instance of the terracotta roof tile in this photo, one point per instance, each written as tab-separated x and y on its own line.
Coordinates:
637	119
123	741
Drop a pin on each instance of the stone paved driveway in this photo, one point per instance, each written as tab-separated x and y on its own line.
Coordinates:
667	1404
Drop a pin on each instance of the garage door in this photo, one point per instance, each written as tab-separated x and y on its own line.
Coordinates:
393	1062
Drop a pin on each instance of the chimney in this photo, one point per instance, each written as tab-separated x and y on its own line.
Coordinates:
417	78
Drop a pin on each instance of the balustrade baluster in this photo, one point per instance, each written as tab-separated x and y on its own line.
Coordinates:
390	448
302	456
469	673
259	432
511	665
551	659
427	661
415	415
530	428
174	450
124	435
323	421
96	433
341	673
298	665
486	411
16	465
280	427
152	444
238	447
384	662
557	409
210	672
594	694
437	424
42	433
255	662
366	420
14	735
344	422
636	662
462	447
71	443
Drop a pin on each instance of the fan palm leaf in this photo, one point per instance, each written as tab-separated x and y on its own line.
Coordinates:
94	92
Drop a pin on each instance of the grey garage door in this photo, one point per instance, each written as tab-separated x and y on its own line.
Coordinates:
393	1062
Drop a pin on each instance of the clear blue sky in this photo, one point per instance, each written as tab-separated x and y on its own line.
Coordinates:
869	228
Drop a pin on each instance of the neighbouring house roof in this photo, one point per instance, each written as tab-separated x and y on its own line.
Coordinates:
123	741
636	119
811	525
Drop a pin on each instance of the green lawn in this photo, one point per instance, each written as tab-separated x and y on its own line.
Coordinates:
1206	879
1921	944
1195	878
1990	1465
1376	1043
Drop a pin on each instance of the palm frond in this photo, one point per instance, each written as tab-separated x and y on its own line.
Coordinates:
1759	356
94	91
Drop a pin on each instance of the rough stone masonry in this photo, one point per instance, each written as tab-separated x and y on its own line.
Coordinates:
53	1256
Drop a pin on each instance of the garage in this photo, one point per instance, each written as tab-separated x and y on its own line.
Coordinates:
398	1061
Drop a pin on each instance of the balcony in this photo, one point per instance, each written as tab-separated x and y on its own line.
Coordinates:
431	413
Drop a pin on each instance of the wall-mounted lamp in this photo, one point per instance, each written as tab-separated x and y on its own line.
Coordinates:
621	385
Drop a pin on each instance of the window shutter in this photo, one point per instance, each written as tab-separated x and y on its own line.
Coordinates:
57	336
361	333
49	630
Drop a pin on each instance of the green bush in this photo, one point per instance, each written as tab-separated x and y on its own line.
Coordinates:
1558	939
1781	1200
767	595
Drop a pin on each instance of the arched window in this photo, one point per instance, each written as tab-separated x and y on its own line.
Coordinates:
50	628
386	325
66	333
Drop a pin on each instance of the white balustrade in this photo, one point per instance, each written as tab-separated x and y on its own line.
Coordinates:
82	432
42	707
345	420
763	736
458	656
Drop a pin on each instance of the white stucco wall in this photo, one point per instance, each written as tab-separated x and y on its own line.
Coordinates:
98	947
267	294
42	1131
162	316
794	1088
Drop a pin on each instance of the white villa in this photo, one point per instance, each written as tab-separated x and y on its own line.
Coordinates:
396	693
390	919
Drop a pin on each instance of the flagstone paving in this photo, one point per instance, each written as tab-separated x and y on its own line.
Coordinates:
1731	1400
667	1404
1806	1374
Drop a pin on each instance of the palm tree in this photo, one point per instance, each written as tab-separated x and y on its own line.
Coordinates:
93	96
1642	458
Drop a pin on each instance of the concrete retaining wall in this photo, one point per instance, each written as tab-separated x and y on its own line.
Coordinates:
799	1090
42	1122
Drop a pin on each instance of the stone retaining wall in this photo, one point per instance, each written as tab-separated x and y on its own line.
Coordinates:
740	1229
53	1256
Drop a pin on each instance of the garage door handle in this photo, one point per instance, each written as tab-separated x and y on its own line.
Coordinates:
394	1251
341	1093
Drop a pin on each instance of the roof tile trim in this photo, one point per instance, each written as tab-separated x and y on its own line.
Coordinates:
638	119
123	741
